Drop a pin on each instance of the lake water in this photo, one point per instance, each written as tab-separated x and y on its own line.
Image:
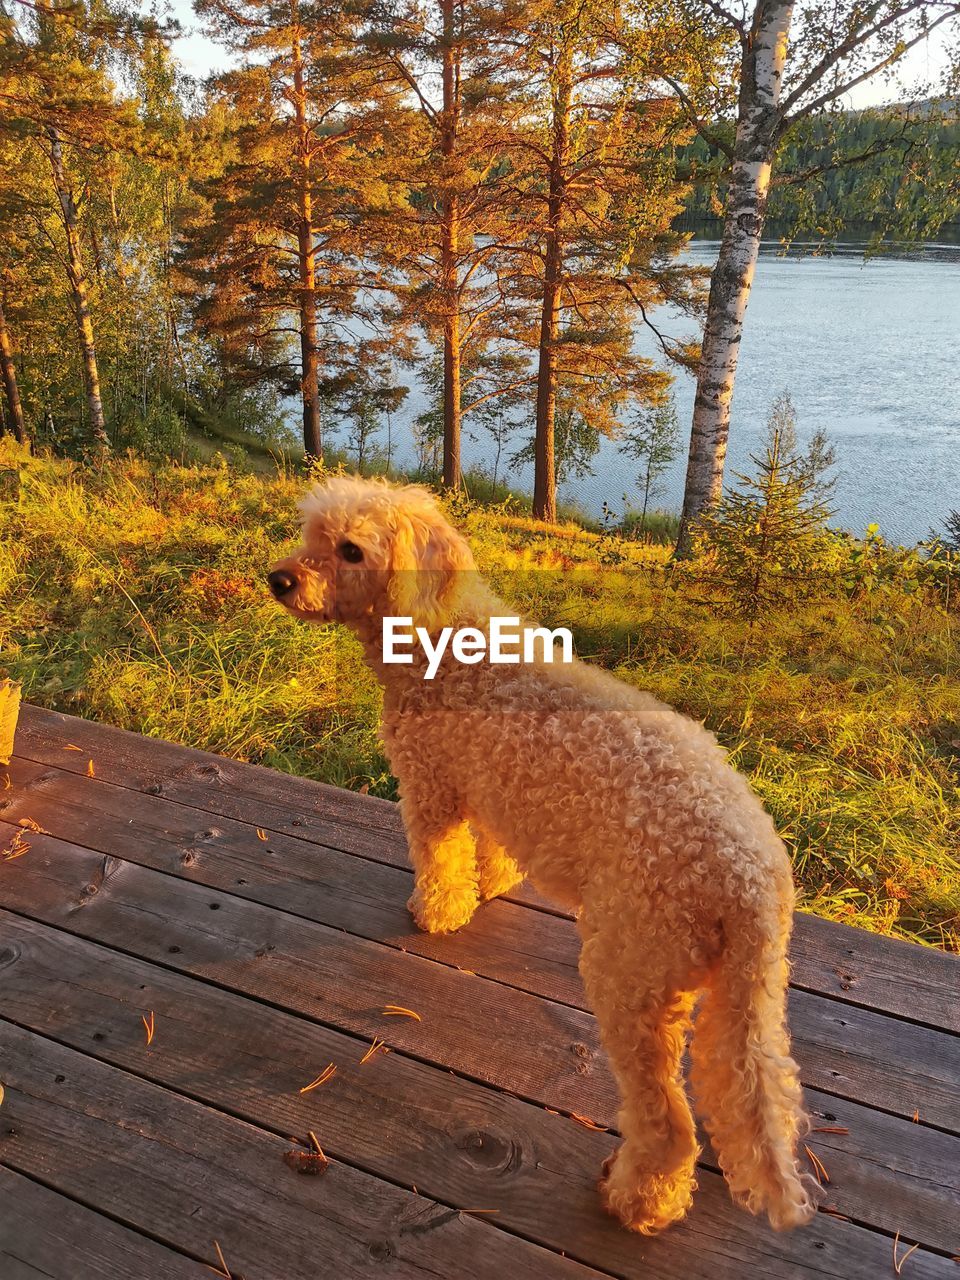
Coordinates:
867	350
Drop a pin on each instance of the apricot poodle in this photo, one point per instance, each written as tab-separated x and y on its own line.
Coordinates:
615	806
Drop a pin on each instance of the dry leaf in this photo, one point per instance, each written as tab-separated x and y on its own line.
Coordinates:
398	1011
71	747
16	848
90	770
310	1163
149	1026
31	825
307	1162
328	1072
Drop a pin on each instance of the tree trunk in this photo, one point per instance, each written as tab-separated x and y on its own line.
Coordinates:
544	464
9	373
758	125
307	258
449	236
77	276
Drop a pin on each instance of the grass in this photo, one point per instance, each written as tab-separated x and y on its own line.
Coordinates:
134	595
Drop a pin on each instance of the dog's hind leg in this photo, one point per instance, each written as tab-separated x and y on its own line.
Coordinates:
497	872
745	1082
444	857
644	1017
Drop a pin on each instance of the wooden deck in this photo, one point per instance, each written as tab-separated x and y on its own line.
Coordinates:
261	919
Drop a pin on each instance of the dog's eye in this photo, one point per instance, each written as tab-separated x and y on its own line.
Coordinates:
350	552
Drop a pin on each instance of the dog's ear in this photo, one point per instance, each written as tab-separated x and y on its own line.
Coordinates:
430	564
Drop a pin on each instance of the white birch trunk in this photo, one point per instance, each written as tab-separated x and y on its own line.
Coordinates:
758	126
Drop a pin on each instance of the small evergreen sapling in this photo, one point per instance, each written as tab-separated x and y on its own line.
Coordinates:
820	458
765	544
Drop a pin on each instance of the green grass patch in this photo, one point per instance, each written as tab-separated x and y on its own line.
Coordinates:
134	595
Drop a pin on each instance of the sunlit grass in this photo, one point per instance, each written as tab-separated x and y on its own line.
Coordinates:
135	596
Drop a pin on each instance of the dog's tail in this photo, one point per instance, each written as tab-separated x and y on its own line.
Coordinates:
746	1083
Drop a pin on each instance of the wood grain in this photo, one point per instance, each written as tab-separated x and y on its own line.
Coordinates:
188	1175
457	1141
44	1236
530	950
853	966
537	1048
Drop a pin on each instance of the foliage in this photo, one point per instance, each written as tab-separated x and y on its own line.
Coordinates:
653	441
134	594
891	168
765	544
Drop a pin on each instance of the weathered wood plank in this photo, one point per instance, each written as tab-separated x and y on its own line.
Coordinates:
530	950
183	773
875	972
851	965
535	1047
454	1139
188	1175
44	1236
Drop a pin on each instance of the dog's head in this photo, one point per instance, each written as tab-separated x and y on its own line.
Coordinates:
372	548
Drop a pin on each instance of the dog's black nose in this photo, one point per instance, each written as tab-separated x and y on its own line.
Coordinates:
281	582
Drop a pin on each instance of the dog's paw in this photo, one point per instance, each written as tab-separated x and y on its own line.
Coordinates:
443	911
646	1203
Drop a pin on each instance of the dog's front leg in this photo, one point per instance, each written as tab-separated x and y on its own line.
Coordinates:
443	854
497	872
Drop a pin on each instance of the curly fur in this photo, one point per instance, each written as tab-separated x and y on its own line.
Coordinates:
616	806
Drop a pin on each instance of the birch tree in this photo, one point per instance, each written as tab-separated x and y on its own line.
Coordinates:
788	62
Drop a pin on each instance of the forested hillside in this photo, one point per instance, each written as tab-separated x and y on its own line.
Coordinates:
885	173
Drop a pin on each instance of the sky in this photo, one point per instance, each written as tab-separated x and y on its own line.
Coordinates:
201	57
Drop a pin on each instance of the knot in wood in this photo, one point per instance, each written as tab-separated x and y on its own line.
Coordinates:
486	1150
382	1250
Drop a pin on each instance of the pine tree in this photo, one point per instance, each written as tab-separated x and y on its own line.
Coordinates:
13	418
61	103
592	246
441	244
811	467
764	545
278	256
